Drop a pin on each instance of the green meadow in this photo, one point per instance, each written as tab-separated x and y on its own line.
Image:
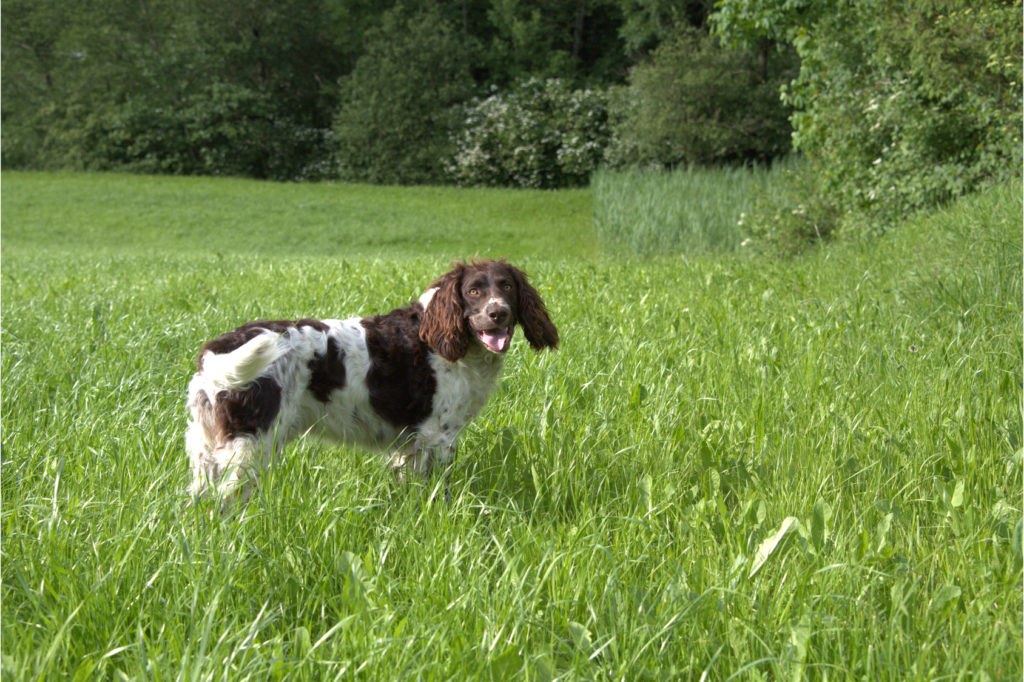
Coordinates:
735	467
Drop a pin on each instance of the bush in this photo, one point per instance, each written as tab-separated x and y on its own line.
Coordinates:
695	102
916	109
188	88
541	134
898	106
397	114
792	213
221	129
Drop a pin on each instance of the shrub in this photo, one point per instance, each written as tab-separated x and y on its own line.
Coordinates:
792	213
898	106
541	134
221	129
936	111
695	102
397	114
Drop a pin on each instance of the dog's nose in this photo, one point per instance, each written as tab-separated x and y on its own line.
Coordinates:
498	315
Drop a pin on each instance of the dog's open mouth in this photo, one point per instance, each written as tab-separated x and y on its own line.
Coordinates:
496	340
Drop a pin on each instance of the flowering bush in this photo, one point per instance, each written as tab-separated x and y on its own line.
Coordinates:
541	134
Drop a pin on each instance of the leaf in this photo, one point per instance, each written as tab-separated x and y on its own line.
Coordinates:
942	598
796	646
507	665
958	495
645	491
537	482
882	531
303	642
639	396
754	512
1018	549
770	544
1004	511
714	482
359	583
580	636
543	669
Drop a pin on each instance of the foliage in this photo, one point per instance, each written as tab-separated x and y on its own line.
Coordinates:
124	84
646	23
166	87
397	113
694	102
731	468
575	40
541	134
898	105
794	214
220	129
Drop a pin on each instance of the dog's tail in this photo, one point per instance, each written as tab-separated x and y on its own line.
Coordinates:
234	371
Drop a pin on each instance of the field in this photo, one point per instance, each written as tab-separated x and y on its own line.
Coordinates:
733	468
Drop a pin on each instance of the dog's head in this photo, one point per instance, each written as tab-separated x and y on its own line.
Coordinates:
482	302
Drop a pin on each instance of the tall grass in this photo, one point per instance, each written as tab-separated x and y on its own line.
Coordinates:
684	211
733	468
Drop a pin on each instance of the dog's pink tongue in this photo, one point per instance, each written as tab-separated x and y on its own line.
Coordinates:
496	341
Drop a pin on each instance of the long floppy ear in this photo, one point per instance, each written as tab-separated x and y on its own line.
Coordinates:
533	315
444	324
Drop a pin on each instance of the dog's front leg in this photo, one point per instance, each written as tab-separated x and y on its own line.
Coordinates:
418	456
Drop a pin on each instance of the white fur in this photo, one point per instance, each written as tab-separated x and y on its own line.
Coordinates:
235	370
497	302
427	297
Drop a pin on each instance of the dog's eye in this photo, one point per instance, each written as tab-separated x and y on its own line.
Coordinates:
474	292
507	287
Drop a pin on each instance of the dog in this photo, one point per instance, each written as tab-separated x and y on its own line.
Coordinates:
407	381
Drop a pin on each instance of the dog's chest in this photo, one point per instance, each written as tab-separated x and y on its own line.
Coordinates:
463	387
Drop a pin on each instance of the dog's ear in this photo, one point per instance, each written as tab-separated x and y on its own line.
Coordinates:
533	315
444	323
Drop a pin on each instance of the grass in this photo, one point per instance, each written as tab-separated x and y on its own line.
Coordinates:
683	211
733	467
193	215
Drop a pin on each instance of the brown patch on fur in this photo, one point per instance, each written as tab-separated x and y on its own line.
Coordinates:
400	380
327	372
532	314
247	412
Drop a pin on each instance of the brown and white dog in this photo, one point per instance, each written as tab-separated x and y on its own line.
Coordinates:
407	381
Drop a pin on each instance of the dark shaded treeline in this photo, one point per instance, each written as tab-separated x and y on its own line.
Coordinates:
255	87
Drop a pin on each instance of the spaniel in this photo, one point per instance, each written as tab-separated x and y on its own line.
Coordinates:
407	381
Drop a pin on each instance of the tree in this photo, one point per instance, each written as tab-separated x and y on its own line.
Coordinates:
166	86
695	102
577	40
397	113
647	23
